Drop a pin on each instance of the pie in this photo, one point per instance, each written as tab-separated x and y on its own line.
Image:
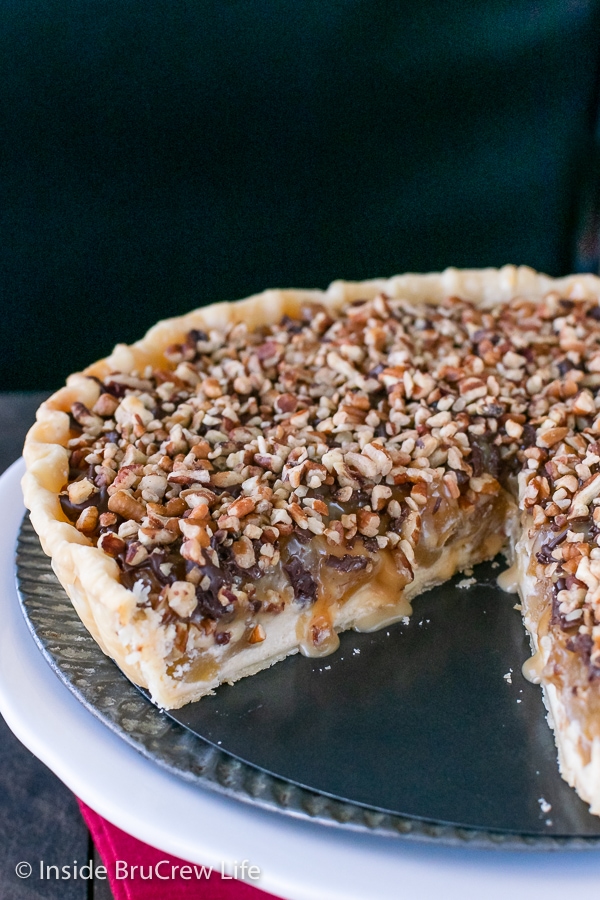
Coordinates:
253	478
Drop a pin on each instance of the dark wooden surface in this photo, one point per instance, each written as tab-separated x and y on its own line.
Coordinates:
39	816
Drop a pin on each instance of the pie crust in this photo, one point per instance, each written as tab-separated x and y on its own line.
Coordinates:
554	478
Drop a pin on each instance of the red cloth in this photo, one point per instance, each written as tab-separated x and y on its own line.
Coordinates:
113	844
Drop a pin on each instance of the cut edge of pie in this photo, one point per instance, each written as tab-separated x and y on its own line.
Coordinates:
132	636
578	752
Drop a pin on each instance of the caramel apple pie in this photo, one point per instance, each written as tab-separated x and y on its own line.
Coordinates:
251	479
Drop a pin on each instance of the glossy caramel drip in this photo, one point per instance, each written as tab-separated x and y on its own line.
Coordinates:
509	579
382	598
317	635
533	668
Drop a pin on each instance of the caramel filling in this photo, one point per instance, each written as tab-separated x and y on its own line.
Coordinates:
374	582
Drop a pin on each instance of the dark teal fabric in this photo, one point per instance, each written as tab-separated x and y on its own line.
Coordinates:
161	154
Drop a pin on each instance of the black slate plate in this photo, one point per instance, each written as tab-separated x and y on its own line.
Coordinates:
418	734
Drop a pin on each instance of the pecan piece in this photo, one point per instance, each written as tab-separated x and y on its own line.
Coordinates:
111	544
88	520
125	505
243	553
257	635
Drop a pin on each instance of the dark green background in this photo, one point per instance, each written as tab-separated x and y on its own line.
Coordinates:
160	154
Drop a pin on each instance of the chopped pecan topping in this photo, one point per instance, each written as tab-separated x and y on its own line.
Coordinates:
211	469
